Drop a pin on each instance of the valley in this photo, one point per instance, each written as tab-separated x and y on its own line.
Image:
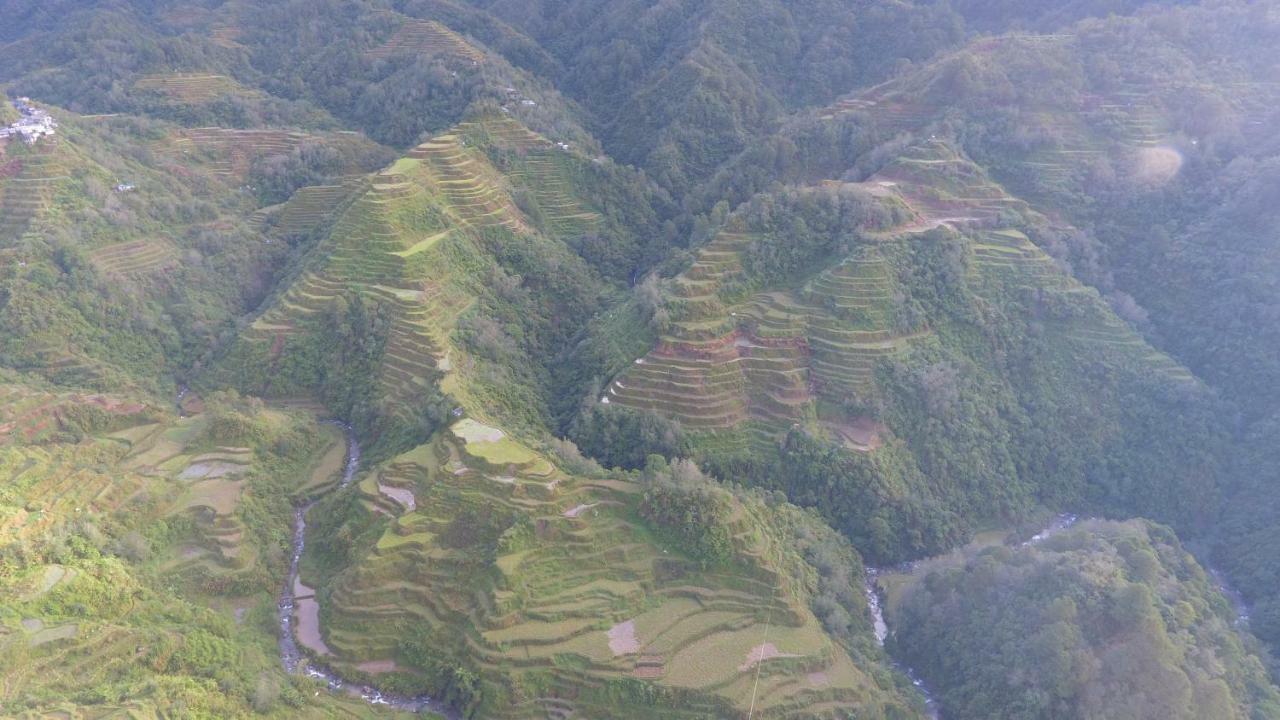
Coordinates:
692	360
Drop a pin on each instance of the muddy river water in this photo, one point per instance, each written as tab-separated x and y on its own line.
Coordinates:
290	655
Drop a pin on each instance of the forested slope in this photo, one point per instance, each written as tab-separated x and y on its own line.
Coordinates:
1104	620
1153	136
847	341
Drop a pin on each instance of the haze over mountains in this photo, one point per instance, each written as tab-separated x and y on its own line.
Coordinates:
667	344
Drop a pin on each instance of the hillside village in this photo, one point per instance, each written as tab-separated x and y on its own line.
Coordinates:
33	125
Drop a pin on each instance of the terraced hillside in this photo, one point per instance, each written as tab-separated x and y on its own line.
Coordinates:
230	152
426	38
767	360
942	187
1160	138
847	342
30	177
137	555
552	592
308	209
28	415
738	354
1058	133
382	247
417	244
91	223
549	173
190	88
137	258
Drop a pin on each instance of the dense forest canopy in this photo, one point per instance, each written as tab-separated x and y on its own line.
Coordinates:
1106	620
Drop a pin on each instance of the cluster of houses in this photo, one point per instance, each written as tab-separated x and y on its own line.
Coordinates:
33	125
514	95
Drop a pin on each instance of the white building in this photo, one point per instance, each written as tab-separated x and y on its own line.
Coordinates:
33	125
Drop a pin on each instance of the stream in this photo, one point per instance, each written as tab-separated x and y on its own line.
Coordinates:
292	658
881	628
1232	595
182	395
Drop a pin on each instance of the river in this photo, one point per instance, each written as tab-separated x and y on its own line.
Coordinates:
182	395
291	657
1232	595
881	627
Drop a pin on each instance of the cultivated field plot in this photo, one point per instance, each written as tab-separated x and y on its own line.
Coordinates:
190	88
427	37
27	191
138	258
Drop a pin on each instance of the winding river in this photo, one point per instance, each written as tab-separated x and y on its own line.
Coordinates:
292	658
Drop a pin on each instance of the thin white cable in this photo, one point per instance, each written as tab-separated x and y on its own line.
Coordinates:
763	641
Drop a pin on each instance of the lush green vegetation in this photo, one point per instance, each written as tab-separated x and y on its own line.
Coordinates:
440	278
922	269
998	384
1151	135
1107	620
103	287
